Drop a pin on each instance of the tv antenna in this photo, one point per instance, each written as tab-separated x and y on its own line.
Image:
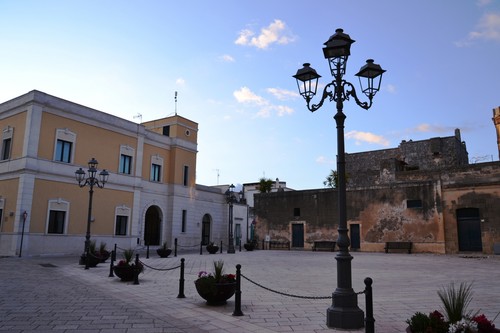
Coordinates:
175	100
138	116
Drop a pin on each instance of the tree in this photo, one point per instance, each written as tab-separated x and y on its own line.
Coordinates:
265	185
332	179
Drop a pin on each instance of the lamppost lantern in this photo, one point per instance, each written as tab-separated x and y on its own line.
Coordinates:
104	176
307	81
344	312
80	175
373	73
337	50
90	179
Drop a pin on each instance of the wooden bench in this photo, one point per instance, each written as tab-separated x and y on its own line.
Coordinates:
398	246
279	245
324	245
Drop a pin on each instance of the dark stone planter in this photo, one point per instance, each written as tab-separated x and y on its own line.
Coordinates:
125	273
218	295
163	253
248	246
212	249
104	256
93	260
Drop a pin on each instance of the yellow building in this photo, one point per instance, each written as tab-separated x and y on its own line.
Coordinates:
151	195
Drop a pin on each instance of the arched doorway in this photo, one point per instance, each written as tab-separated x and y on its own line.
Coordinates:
469	230
205	229
152	226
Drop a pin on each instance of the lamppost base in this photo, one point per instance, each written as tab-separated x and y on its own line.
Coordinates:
230	249
344	312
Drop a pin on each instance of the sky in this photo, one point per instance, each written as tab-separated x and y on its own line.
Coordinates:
231	64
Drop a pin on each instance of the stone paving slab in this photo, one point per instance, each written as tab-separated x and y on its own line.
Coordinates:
67	298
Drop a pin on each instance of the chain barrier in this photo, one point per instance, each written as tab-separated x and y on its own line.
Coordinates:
159	269
283	293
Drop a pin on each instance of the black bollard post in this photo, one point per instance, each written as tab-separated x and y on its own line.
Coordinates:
113	256
175	247
181	281
147	251
369	320
115	252
220	246
201	248
237	294
137	269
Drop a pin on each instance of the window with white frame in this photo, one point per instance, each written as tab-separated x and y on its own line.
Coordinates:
64	145
7	135
122	216
156	168
126	159
57	216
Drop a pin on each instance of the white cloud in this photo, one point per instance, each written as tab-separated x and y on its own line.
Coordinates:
432	128
180	82
488	29
367	137
282	94
245	96
391	89
227	58
324	160
276	32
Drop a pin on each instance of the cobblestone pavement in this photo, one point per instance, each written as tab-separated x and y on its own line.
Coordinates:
45	294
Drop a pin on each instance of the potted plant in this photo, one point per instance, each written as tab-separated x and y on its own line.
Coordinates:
94	257
103	254
249	246
458	319
126	269
212	248
164	251
216	288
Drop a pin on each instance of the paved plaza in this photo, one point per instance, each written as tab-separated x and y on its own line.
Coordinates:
45	294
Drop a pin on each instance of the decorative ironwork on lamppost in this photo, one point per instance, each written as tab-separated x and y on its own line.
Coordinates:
344	312
91	181
230	199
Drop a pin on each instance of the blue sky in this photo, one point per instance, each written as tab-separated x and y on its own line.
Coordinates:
232	62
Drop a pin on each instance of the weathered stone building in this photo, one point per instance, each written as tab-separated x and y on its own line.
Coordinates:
422	191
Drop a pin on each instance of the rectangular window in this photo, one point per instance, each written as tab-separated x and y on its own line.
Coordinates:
186	176
56	222
296	212
6	146
63	151
415	203
166	130
121	225
184	214
155	172
125	164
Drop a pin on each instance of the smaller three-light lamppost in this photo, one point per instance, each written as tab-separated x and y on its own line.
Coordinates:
231	199
344	312
91	181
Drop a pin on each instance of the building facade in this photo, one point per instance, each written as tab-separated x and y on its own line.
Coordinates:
151	196
422	191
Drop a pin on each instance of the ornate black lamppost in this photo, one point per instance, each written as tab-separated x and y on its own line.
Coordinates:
344	312
91	181
230	199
